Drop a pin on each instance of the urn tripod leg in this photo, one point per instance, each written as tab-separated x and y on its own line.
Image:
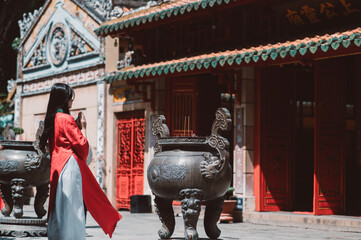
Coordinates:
211	216
191	208
42	193
164	209
18	189
6	196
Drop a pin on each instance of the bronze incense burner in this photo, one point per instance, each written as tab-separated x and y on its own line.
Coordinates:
23	164
192	170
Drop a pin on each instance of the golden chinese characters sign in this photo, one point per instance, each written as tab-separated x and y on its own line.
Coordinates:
310	12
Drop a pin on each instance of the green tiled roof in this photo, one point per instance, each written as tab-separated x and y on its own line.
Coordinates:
168	10
320	44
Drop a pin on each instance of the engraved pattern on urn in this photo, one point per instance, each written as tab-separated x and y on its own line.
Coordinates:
9	166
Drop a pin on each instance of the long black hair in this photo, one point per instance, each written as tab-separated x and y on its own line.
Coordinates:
60	94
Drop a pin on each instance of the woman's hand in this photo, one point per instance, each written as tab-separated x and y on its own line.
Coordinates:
81	121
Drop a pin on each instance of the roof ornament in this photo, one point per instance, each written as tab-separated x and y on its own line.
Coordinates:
149	4
126	61
27	21
104	7
116	12
110	10
11	85
159	2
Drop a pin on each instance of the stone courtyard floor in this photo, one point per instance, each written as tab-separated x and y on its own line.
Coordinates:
144	226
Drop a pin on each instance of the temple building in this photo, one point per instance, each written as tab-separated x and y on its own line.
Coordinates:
288	71
58	44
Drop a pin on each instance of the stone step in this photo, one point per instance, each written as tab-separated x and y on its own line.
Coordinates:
290	219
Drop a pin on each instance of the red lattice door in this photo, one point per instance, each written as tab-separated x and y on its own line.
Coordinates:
130	158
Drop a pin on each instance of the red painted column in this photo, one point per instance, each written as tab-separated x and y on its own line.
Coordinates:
257	168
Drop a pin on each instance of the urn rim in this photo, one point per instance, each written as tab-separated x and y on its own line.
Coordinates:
13	144
182	140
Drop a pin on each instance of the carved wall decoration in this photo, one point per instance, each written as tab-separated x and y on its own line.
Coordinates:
58	44
39	56
78	45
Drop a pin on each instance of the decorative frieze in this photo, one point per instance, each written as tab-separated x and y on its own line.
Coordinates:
73	79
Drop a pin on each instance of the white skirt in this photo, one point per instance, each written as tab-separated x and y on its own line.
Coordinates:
67	218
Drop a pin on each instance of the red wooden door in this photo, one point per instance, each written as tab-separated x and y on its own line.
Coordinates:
277	126
130	158
330	77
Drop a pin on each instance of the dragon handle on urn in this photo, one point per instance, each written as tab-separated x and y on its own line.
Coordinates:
213	165
34	161
159	129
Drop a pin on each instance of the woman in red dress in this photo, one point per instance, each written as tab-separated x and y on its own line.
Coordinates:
71	181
